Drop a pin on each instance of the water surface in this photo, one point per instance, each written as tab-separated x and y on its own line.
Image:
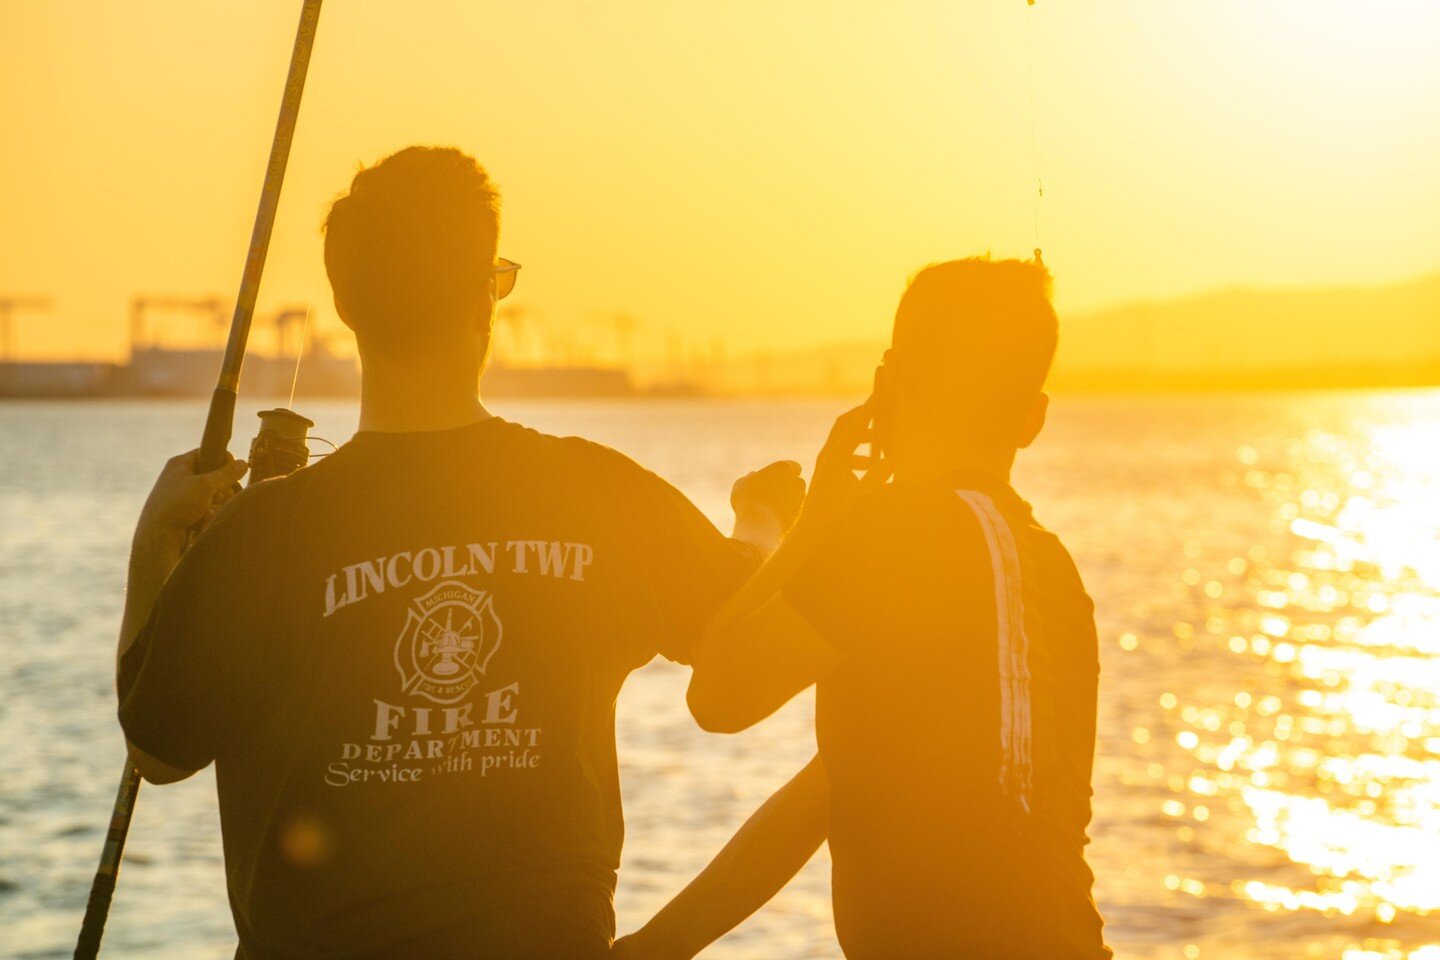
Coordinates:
1267	575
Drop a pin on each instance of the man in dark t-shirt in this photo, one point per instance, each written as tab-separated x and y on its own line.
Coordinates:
954	653
404	660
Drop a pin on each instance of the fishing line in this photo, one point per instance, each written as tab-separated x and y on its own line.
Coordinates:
1034	134
315	283
300	347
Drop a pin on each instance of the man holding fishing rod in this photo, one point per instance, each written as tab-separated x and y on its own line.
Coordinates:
404	660
953	650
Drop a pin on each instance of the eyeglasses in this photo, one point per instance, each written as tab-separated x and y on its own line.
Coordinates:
503	276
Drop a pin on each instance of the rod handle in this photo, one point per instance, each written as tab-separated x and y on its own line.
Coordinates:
215	442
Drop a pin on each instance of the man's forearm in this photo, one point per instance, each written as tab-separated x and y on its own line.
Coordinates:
151	563
781	563
834	487
758	652
759	860
759	529
181	501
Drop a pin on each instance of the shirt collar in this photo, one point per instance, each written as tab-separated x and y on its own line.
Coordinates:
998	489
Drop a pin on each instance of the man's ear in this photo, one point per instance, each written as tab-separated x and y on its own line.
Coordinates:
1034	420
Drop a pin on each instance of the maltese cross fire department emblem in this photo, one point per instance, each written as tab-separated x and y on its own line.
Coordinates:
449	637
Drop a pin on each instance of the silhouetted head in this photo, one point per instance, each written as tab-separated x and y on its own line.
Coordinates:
973	344
410	252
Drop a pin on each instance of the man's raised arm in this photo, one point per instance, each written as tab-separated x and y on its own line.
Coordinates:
759	651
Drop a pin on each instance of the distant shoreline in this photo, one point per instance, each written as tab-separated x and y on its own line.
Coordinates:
643	397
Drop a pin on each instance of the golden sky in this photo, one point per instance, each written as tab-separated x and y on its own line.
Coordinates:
762	173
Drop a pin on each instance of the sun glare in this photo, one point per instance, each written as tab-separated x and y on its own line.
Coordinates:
1381	53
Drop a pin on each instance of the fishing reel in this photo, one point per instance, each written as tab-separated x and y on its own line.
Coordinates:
282	445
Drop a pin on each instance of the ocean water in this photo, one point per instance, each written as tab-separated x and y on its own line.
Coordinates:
1267	575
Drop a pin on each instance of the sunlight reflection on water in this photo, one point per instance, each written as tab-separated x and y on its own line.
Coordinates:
1267	579
1335	765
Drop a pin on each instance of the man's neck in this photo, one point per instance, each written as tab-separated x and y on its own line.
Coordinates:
412	398
931	465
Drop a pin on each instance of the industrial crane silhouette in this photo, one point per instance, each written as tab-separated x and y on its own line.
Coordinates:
624	326
283	320
521	334
212	306
8	307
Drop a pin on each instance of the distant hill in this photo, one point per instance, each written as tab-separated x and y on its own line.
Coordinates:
1237	339
1340	336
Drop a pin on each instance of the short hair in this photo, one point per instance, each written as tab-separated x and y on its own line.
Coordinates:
410	247
977	335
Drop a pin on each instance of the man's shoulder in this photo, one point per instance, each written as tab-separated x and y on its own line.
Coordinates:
601	461
1051	562
582	448
540	444
964	522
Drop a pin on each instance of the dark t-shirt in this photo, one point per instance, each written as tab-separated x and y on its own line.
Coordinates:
944	842
404	662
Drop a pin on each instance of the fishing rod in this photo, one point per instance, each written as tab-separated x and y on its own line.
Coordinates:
276	442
